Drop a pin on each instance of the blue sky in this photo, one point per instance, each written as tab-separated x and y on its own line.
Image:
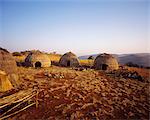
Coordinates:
83	27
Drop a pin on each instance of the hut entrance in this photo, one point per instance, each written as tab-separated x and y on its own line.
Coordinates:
68	63
38	64
104	67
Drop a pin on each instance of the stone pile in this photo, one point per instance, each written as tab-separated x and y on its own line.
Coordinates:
52	75
81	68
127	74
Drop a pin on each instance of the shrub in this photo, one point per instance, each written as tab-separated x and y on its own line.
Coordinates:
91	58
16	54
130	64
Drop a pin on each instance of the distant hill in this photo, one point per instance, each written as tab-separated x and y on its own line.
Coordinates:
141	59
95	55
87	56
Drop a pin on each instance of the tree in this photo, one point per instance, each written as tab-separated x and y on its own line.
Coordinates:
90	58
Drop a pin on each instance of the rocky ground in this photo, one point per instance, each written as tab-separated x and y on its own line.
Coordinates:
65	93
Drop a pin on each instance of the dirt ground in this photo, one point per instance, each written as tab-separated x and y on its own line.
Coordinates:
67	94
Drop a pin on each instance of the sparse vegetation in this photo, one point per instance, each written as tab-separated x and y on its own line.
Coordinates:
16	54
130	64
87	62
54	57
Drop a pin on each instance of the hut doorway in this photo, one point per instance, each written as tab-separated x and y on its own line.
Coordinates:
68	63
104	67
38	64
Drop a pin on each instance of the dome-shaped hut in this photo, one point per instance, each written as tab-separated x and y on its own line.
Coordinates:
69	60
106	62
37	59
8	66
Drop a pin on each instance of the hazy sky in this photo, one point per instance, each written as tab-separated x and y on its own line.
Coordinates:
83	27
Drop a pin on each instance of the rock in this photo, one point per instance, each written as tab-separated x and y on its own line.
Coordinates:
50	75
47	96
130	114
103	94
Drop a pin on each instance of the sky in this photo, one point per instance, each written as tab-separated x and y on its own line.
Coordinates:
81	26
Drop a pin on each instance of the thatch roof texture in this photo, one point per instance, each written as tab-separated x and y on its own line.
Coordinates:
106	62
37	59
69	60
8	65
5	84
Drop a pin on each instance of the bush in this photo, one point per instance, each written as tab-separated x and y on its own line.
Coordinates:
130	64
147	67
16	54
90	58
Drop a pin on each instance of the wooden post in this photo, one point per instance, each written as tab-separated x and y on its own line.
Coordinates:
37	103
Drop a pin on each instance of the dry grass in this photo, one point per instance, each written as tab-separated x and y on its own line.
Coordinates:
87	62
20	58
54	57
141	71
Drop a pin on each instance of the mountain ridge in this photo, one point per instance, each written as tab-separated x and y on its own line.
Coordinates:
141	59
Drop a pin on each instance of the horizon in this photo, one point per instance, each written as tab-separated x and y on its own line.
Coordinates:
92	27
54	52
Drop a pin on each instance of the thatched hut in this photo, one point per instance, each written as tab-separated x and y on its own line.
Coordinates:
106	62
8	65
69	60
37	59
